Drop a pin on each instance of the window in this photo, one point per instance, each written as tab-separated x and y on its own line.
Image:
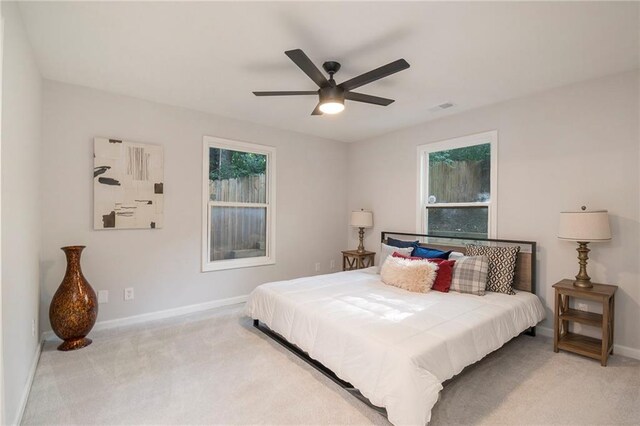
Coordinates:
239	204
458	187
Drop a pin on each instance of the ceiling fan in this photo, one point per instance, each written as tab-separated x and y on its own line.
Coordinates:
332	95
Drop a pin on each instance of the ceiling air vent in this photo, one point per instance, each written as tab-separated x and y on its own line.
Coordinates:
441	107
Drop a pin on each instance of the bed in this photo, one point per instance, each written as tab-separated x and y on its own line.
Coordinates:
395	347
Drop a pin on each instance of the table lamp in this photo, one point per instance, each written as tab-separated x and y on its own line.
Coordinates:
584	227
361	219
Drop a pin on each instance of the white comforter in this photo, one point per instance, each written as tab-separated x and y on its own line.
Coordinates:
396	347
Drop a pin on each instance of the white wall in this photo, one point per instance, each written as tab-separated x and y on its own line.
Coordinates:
164	265
21	138
558	150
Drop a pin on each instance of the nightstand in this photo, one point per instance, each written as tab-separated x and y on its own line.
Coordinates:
353	259
577	343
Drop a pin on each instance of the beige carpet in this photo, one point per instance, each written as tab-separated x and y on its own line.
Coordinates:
215	368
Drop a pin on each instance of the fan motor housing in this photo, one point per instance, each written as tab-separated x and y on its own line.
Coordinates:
331	92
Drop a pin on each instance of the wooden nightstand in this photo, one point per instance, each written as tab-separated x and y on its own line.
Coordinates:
352	259
573	342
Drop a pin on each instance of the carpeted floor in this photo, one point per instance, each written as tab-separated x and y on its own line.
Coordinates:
215	368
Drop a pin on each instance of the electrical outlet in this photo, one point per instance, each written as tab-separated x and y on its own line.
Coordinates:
33	327
103	296
332	264
318	267
583	307
128	293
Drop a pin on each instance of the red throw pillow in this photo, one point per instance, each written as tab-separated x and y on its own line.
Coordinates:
445	271
445	274
404	256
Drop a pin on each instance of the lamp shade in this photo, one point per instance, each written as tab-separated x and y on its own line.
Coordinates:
362	219
584	226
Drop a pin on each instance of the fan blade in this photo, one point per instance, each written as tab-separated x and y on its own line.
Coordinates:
317	111
306	92
368	99
377	74
304	63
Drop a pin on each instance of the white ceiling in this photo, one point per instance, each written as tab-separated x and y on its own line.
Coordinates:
211	56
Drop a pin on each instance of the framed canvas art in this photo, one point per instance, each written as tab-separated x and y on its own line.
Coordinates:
128	185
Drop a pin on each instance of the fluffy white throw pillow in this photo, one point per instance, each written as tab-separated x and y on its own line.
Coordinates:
386	252
412	275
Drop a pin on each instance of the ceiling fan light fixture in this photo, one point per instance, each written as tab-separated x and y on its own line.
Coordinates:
332	106
331	99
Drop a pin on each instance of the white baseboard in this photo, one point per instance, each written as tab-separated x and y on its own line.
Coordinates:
617	349
27	387
167	313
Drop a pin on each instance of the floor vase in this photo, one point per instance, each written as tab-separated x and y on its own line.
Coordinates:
74	307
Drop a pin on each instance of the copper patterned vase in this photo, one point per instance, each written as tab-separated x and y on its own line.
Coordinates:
74	307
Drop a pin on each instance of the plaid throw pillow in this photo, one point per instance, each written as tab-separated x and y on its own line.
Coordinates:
470	275
502	266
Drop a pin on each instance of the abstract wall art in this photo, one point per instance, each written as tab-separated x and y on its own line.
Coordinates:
128	185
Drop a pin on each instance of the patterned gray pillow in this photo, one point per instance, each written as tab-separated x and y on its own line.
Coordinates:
470	275
502	266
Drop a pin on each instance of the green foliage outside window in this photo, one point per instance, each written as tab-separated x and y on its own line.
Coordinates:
227	164
469	153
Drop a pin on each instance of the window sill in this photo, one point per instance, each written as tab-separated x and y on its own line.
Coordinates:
221	265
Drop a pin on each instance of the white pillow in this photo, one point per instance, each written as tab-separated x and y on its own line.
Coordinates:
455	255
387	251
411	275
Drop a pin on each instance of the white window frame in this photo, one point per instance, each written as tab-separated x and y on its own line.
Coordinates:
270	205
490	137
